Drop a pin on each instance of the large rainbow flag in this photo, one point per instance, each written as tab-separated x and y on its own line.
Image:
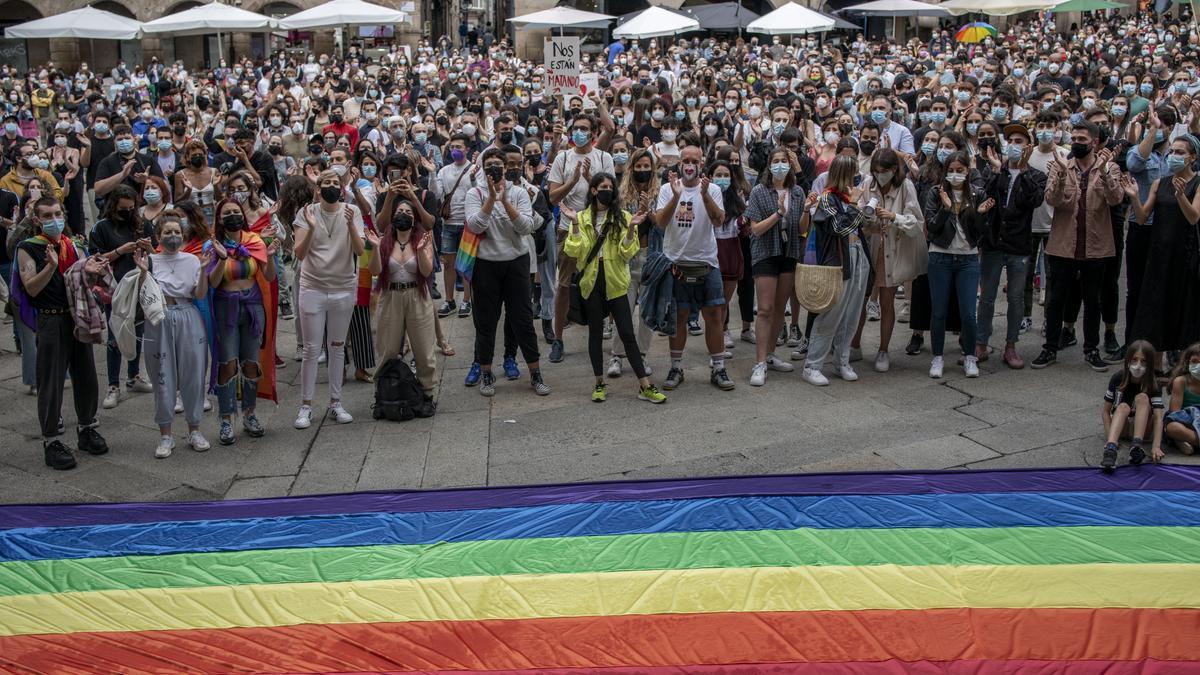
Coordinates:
980	572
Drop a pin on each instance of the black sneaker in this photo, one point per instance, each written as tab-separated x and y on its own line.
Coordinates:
548	330
1137	455
91	442
915	345
464	310
1108	463
1067	339
1110	342
720	378
1044	359
434	292
285	312
694	327
1115	356
556	351
1093	359
539	386
447	309
58	457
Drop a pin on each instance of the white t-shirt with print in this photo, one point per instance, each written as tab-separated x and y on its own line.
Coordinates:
689	237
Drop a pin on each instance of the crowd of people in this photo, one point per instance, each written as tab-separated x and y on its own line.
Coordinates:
180	216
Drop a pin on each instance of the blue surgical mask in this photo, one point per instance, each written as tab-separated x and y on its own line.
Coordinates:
928	149
152	196
1146	89
999	114
625	98
1013	151
780	169
848	103
943	154
546	146
937	117
1128	89
690	101
420	138
53	227
924	117
778	127
1159	137
11	127
972	127
620	158
723	182
369	171
125	146
1045	137
100	127
1175	163
164	144
1018	73
680	114
963	95
580	137
1119	110
878	116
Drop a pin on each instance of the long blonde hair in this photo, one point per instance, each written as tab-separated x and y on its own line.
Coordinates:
629	192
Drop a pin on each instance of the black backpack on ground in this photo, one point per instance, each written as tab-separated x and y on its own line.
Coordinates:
398	395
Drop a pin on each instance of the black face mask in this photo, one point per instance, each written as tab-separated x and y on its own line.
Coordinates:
330	193
506	137
867	147
275	150
533	160
442	121
315	149
233	222
402	222
985	143
642	176
336	118
180	130
125	215
494	173
513	175
1081	150
604	197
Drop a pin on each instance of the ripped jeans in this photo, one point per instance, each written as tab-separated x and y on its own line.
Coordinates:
239	340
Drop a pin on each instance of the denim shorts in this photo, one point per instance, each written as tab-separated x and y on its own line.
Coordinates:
707	293
451	235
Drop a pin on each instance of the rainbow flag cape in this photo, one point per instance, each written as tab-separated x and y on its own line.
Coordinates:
980	572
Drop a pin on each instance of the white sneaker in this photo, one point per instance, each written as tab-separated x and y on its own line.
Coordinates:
748	335
207	404
178	403
303	417
728	340
776	363
111	398
337	412
935	368
872	310
882	362
813	376
727	354
299	353
322	358
758	376
902	314
846	373
614	367
971	366
198	442
165	445
139	385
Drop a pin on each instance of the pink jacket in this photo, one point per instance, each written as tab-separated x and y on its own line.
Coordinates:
1062	192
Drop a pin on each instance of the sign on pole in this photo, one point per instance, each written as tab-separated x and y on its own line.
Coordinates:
589	82
562	66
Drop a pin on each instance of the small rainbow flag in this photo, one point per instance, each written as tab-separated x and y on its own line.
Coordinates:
979	572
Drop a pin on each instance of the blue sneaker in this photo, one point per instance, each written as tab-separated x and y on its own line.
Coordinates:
511	371
472	375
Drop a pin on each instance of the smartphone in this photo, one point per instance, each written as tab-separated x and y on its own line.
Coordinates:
395	175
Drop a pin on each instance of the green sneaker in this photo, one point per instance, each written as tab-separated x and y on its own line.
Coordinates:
600	393
652	394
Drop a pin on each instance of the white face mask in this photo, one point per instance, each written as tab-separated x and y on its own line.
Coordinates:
831	137
1137	369
340	169
668	136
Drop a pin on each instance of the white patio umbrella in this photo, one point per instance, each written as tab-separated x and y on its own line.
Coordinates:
791	19
337	13
897	8
208	19
87	22
562	17
993	7
656	22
